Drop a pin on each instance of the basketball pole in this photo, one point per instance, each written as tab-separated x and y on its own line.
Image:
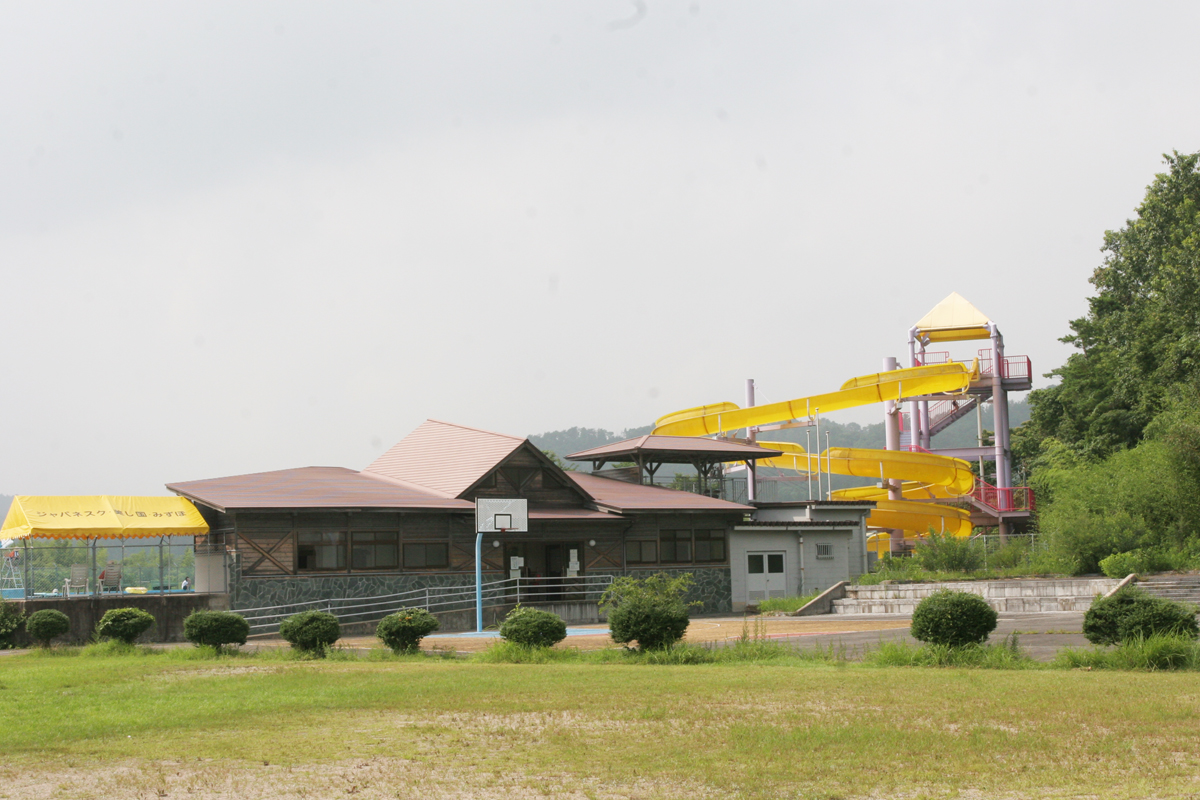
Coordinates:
479	581
479	578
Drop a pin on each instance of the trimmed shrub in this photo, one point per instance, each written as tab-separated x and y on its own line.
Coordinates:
218	629
124	624
1160	618
650	611
953	619
533	627
11	620
404	630
44	625
311	631
1132	614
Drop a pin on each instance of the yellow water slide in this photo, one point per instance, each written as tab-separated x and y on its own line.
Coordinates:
898	384
923	475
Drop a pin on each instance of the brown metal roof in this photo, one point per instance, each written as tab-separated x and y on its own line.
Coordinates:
674	450
312	487
443	457
573	513
623	496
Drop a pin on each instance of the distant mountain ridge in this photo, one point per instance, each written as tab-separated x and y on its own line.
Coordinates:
963	433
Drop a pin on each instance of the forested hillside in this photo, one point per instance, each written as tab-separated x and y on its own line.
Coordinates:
1114	447
961	434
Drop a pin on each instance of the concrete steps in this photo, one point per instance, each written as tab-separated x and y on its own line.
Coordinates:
1018	596
1181	588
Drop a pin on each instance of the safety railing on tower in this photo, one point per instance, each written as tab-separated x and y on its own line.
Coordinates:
1012	498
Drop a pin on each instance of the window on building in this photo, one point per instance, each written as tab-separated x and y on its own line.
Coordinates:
710	545
321	550
426	555
825	550
675	547
375	549
641	552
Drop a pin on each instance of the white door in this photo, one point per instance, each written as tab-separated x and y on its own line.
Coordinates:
765	577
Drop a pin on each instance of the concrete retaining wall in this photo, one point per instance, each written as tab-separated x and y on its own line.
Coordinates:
1016	596
169	611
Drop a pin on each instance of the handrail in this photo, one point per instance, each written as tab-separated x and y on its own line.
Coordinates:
584	588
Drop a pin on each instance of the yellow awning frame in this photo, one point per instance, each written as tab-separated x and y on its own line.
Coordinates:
101	517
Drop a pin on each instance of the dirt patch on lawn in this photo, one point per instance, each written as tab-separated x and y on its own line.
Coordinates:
365	779
710	629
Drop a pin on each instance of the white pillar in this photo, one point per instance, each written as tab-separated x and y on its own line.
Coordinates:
914	412
751	435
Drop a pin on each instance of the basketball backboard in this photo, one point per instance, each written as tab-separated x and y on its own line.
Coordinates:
492	515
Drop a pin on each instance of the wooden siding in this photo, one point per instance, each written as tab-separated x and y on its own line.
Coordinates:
526	473
606	554
267	541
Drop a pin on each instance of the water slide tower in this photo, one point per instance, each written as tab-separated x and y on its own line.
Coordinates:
957	320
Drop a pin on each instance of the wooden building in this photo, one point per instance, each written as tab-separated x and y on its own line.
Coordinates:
407	522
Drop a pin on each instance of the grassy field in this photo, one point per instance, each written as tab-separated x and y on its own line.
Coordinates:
175	726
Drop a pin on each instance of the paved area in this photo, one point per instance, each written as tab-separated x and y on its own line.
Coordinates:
1041	635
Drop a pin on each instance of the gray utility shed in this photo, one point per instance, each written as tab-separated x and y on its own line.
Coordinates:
791	549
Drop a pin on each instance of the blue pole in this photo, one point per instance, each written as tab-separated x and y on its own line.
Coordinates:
479	582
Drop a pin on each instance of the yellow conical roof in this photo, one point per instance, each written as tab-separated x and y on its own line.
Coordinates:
953	320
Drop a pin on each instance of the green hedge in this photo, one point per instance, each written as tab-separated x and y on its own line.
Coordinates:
1132	614
311	632
953	619
124	624
218	629
533	627
44	625
404	630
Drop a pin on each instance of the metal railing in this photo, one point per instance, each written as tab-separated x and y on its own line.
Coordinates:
265	620
944	410
1013	498
85	568
1010	366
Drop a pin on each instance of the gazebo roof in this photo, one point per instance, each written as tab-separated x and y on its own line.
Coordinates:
674	450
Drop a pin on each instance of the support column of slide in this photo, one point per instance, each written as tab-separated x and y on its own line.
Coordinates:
926	438
891	430
914	408
1000	422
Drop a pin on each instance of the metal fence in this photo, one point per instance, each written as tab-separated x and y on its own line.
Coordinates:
585	588
83	568
1011	550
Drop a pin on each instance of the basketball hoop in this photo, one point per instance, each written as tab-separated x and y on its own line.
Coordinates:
493	515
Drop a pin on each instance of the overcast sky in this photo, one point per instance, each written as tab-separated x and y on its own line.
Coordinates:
239	236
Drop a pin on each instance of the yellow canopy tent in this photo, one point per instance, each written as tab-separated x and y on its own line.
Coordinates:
954	320
101	517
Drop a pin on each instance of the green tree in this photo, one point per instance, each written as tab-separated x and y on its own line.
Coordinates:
1141	335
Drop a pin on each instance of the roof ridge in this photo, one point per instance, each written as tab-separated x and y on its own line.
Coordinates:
477	430
260	472
406	484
